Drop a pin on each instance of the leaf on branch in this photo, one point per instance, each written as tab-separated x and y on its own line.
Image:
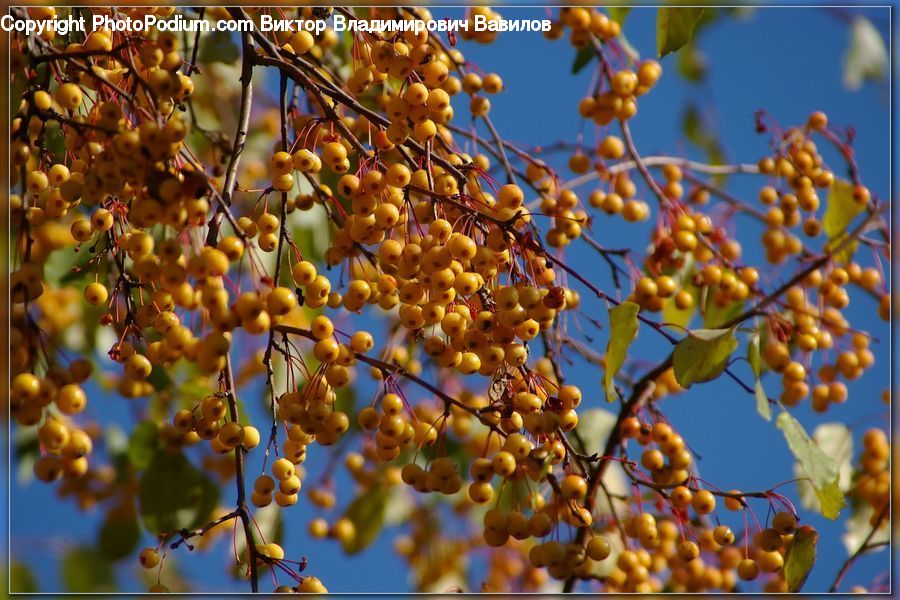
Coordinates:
174	495
76	267
755	360
366	512
801	557
762	401
821	469
142	444
84	570
835	440
159	379
716	315
675	27
583	59
118	536
831	500
866	56
840	211
623	329
703	355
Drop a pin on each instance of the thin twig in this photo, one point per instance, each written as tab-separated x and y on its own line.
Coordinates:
864	547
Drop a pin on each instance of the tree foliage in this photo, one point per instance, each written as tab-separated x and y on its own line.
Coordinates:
316	272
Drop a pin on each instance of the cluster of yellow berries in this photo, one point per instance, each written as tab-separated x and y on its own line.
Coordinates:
66	446
584	22
420	229
208	420
620	101
849	364
393	429
669	461
800	166
707	560
873	481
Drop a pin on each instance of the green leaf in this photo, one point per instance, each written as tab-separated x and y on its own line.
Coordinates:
346	403
623	328
512	494
831	500
753	355
762	401
820	468
85	570
193	390
459	452
674	27
835	440
583	58
839	213
866	56
801	557
142	444
218	47
715	315
21	579
755	360
173	494
703	355
118	537
618	13
681	317
159	379
367	514
77	267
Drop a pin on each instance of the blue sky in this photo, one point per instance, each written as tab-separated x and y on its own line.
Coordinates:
784	60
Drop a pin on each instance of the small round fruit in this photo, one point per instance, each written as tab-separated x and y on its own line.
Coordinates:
784	523
598	548
96	293
282	469
723	535
69	96
703	502
573	487
312	585
748	570
251	437
149	558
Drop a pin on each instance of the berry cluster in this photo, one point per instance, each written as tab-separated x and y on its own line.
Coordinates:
186	255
